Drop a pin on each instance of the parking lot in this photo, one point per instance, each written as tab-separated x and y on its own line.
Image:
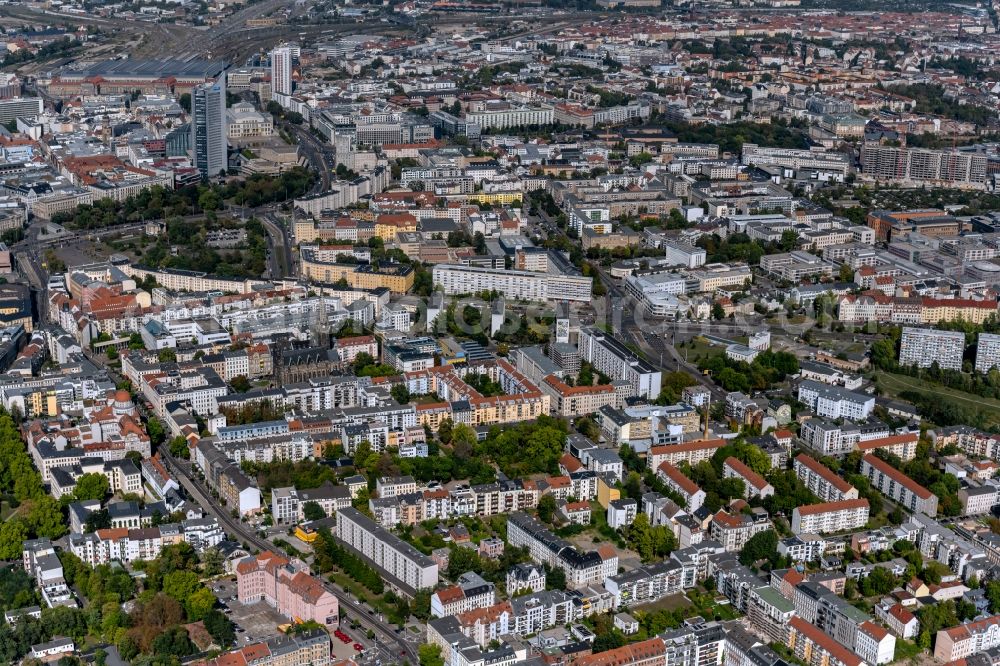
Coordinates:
254	622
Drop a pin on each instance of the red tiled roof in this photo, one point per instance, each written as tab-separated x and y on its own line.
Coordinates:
675	475
898	476
825	642
824	471
696	445
828	507
901	614
750	476
629	654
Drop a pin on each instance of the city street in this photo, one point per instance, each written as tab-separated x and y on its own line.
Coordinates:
388	645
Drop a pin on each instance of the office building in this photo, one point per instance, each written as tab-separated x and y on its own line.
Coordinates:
679	253
208	128
19	107
831	165
924	346
897	486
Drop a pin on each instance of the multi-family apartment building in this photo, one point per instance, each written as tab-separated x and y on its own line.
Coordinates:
573	401
734	530
915	165
902	445
525	577
833	516
513	284
987	352
966	640
582	568
822	481
617	361
693	496
813	646
650	583
690	452
923	347
126	545
834	402
650	652
307	647
754	485
834	437
470	592
403	565
897	486
288	504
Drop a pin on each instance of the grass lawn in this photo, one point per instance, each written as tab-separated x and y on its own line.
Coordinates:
698	348
894	385
878	520
906	650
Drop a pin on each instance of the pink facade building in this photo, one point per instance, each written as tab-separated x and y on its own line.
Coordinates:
274	579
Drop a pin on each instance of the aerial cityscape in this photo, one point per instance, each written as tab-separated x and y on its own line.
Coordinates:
482	333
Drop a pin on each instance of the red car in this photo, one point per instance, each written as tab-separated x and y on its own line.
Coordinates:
359	647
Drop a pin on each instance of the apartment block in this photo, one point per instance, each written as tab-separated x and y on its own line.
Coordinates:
922	165
968	639
470	592
650	583
813	646
582	568
830	516
693	495
516	285
646	653
617	361
987	352
923	347
734	530
754	485
405	566
308	647
690	452
897	486
834	402
822	481
288	504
